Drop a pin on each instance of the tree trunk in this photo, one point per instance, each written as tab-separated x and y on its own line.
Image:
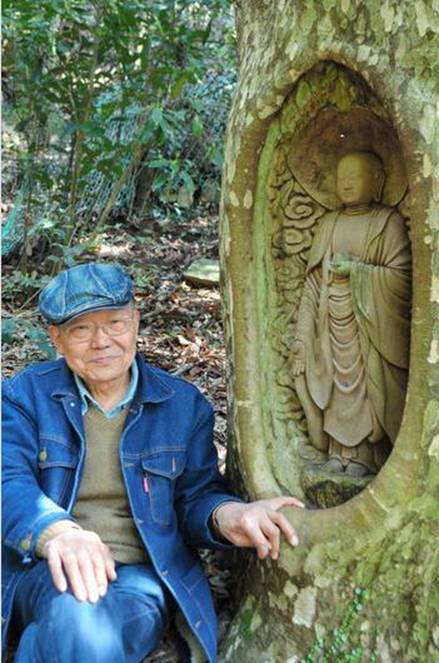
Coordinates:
363	584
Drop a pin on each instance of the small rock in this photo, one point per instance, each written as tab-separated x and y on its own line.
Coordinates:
203	271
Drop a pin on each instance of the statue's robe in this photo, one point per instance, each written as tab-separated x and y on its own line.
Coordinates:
356	332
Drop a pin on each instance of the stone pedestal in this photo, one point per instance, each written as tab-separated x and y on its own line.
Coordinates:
323	489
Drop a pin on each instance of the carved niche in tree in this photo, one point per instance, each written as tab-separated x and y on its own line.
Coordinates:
344	278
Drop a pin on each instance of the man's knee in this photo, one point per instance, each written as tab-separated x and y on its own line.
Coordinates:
79	626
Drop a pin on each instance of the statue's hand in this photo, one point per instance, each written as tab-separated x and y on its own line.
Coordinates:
298	358
342	264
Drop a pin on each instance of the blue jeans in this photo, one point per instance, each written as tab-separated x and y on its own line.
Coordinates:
122	627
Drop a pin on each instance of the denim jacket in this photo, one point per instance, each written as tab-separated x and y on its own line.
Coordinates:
167	440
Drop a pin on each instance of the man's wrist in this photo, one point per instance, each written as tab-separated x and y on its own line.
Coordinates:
214	517
51	532
214	521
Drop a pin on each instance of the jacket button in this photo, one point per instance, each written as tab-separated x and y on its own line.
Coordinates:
72	404
25	543
42	456
165	572
197	625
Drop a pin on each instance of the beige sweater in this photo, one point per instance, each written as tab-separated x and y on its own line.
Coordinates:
102	505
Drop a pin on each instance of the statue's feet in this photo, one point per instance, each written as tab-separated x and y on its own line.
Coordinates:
334	466
352	469
357	469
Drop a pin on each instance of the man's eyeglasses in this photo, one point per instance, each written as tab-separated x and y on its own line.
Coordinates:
84	331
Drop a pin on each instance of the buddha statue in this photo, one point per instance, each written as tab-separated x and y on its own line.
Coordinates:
351	347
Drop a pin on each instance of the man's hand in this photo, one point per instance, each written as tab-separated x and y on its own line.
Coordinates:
257	525
79	558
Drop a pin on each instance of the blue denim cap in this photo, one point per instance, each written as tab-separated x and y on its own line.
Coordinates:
85	288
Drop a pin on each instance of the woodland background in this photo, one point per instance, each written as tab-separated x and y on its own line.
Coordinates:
113	122
114	115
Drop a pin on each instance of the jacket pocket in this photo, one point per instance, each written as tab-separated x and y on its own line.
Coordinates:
160	471
56	463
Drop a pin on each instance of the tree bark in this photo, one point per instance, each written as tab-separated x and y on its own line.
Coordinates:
363	584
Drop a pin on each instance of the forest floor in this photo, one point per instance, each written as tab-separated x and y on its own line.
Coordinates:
181	331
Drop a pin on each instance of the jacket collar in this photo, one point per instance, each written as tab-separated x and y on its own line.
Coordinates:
151	388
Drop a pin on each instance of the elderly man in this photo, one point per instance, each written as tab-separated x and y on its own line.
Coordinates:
110	481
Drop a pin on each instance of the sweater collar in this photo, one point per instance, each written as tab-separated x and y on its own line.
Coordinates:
87	399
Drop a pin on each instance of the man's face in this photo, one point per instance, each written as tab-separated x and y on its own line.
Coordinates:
92	351
357	180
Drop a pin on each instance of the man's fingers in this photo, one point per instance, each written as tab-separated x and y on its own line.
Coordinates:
110	567
74	576
258	524
111	571
294	501
263	549
87	570
56	570
276	503
272	533
256	538
285	527
80	559
100	571
107	570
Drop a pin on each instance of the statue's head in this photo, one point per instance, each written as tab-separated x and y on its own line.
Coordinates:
360	178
